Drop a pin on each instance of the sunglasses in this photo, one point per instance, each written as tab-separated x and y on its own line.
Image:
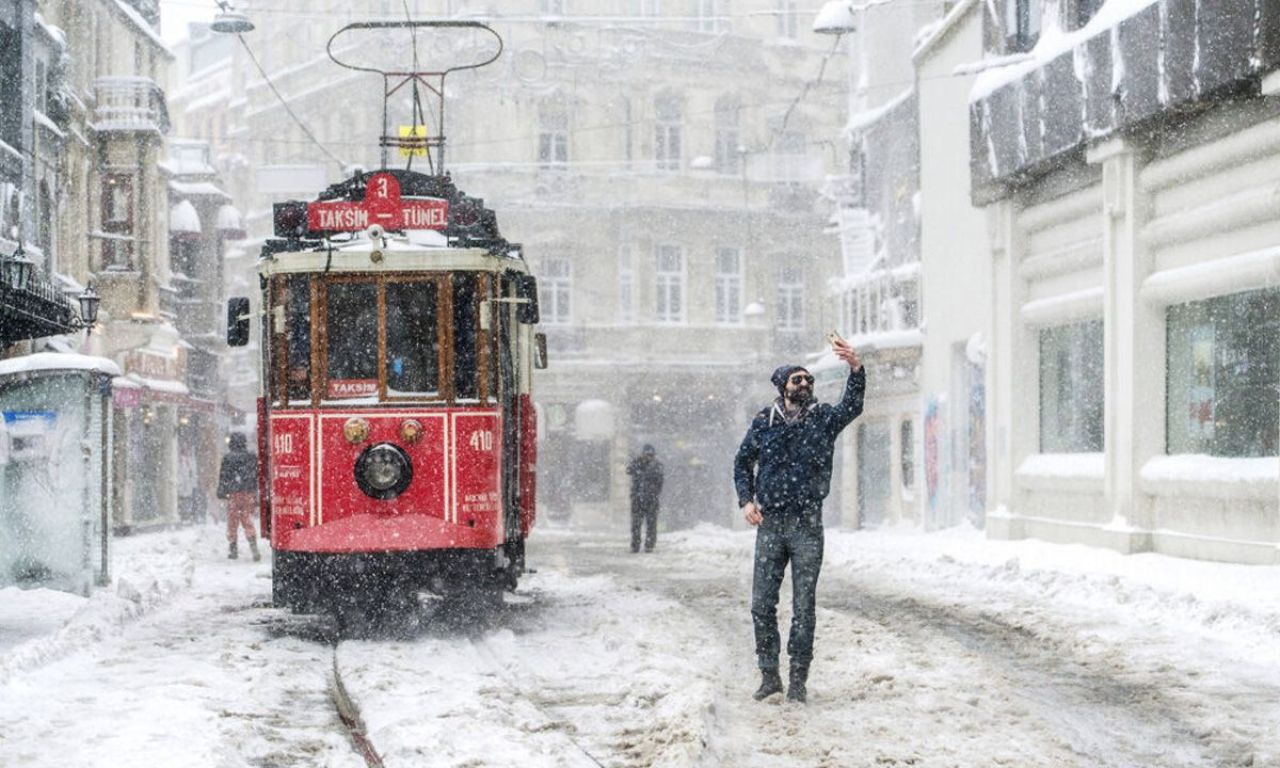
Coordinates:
801	378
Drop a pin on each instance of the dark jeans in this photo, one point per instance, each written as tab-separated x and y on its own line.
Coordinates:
648	518
793	536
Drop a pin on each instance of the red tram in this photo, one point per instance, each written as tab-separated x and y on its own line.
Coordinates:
396	433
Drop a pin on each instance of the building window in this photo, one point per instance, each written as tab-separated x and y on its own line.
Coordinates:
1085	10
788	17
707	16
117	221
669	285
1224	370
555	290
728	158
666	138
790	311
789	150
552	7
42	87
10	87
626	285
553	136
650	7
908	452
1072	389
729	286
1021	25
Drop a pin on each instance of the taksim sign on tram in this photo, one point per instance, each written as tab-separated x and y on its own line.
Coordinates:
382	205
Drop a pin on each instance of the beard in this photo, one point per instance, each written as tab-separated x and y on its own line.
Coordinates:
801	397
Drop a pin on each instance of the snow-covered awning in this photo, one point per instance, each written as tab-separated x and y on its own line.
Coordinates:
230	223
198	189
52	361
183	219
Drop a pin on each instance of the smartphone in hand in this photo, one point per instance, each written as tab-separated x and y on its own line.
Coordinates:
834	338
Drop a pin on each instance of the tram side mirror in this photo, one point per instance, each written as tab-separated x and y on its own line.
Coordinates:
527	289
237	321
540	351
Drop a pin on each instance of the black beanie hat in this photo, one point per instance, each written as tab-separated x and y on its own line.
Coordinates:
782	373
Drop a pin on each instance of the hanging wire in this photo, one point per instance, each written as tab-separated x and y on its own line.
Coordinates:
285	104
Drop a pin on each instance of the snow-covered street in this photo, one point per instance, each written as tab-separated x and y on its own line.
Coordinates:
940	649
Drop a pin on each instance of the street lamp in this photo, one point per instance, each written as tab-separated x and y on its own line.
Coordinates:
835	18
229	21
18	268
89	301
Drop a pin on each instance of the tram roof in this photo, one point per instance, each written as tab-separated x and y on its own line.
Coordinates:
417	252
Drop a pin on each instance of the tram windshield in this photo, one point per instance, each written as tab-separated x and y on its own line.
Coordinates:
383	338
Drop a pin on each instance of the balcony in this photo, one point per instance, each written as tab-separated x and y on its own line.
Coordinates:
131	105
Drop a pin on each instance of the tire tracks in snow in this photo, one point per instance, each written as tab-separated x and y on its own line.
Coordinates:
1057	704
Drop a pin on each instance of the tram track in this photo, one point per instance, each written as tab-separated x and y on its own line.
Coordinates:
349	715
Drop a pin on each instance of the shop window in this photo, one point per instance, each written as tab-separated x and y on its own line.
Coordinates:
1072	389
1223	363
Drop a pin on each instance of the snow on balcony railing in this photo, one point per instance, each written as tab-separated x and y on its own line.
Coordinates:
129	104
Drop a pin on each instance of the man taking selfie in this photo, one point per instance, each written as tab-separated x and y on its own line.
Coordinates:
782	473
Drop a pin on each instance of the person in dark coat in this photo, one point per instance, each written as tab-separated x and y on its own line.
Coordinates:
238	484
646	486
782	473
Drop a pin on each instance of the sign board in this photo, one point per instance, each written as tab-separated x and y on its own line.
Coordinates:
382	205
416	140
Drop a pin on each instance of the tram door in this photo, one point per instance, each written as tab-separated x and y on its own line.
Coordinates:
874	451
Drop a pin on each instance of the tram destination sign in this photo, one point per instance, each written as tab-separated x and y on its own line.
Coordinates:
382	205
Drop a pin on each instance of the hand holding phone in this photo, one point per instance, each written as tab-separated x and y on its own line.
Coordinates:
836	339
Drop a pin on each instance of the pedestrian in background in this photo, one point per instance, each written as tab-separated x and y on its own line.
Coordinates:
782	473
238	485
646	486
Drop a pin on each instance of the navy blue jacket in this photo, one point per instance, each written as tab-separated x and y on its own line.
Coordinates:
781	465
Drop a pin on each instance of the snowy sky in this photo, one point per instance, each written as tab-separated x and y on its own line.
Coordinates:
176	14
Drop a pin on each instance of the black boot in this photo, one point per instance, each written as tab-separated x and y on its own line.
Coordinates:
232	551
799	676
253	547
770	683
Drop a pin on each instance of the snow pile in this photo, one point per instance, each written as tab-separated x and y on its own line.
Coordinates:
50	625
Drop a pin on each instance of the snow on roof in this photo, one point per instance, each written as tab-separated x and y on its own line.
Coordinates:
931	34
157	385
865	118
52	361
198	189
142	24
1053	42
229	217
183	218
52	30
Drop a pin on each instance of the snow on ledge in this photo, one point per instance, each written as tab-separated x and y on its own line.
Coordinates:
1058	470
1212	476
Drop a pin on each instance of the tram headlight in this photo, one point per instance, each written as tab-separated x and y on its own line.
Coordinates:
383	471
411	430
356	430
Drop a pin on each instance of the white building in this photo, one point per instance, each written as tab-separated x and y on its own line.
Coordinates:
1128	167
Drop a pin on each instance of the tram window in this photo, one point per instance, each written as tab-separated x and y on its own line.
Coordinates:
297	302
413	343
352	359
466	330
